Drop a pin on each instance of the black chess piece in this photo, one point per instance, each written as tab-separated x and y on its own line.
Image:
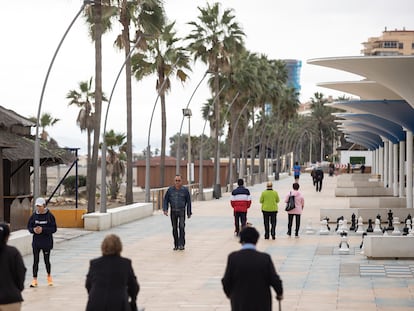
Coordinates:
362	242
353	219
327	223
390	219
370	229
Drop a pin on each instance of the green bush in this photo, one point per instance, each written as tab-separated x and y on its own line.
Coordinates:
69	183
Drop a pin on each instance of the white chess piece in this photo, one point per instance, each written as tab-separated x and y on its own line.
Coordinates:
343	245
377	228
396	222
360	225
324	227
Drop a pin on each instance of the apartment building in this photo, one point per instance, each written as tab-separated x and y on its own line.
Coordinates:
391	43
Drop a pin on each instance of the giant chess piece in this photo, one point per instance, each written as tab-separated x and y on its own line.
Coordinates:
340	226
370	229
396	223
353	222
390	219
361	246
324	230
407	226
377	228
343	245
360	228
337	222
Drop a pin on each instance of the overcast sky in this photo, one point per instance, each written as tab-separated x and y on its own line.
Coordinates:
295	29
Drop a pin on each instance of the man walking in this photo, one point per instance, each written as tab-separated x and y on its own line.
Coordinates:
240	201
179	199
318	179
249	275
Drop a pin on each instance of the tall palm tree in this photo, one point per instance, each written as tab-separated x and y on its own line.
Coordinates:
45	121
147	16
164	57
214	39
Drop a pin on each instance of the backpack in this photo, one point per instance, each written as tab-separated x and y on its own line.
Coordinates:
290	205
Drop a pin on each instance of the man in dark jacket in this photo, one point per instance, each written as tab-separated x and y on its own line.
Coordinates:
179	199
249	275
240	201
318	179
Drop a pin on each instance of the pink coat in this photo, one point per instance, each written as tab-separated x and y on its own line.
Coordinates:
299	202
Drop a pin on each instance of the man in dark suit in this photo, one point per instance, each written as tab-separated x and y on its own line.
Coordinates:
249	275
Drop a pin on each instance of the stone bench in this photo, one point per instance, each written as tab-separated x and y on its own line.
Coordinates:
377	202
22	240
388	246
117	216
363	192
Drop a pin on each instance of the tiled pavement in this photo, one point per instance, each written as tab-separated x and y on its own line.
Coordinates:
315	275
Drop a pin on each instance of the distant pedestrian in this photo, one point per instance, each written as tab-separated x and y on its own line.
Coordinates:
249	275
42	225
318	179
269	200
12	273
296	171
111	282
178	199
297	211
240	201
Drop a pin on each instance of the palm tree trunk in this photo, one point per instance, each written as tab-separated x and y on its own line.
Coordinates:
163	137
93	167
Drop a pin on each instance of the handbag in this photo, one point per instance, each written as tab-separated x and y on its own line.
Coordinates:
290	205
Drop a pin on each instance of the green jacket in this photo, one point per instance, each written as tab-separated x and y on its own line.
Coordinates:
269	199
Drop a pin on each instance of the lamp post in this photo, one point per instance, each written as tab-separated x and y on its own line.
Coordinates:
147	156
187	113
36	155
177	160
103	150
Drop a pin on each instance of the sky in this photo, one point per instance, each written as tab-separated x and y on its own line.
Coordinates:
30	32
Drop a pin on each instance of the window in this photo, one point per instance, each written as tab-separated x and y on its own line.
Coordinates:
389	44
400	45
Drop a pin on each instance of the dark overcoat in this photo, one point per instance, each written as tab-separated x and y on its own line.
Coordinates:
247	280
111	283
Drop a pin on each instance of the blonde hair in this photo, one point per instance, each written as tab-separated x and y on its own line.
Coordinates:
111	245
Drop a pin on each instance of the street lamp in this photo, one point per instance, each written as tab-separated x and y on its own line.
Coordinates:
187	113
36	156
103	151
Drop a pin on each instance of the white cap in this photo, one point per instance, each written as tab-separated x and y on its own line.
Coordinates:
40	201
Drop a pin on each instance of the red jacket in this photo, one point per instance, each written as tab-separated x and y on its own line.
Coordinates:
240	199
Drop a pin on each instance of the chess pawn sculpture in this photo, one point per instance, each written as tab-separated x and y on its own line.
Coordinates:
360	228
324	227
339	227
343	245
309	229
377	228
407	226
396	230
370	229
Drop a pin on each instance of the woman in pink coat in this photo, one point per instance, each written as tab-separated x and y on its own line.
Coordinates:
297	211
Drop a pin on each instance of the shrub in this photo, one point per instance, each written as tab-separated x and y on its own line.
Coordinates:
69	183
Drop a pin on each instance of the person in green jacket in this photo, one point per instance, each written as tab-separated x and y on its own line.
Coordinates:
269	199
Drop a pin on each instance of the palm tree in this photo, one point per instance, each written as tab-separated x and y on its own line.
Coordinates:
116	160
84	99
46	120
164	58
148	17
214	40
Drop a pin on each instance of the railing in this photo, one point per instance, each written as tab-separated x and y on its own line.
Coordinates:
157	195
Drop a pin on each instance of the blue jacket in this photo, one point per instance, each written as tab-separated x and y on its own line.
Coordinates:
177	199
48	223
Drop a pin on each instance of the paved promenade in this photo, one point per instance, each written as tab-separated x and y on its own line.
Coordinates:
315	276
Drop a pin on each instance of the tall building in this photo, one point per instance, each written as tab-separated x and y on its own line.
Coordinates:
293	67
391	43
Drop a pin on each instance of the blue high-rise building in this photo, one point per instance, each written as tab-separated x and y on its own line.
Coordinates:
293	67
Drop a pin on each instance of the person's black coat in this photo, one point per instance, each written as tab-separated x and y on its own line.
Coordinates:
110	283
247	280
